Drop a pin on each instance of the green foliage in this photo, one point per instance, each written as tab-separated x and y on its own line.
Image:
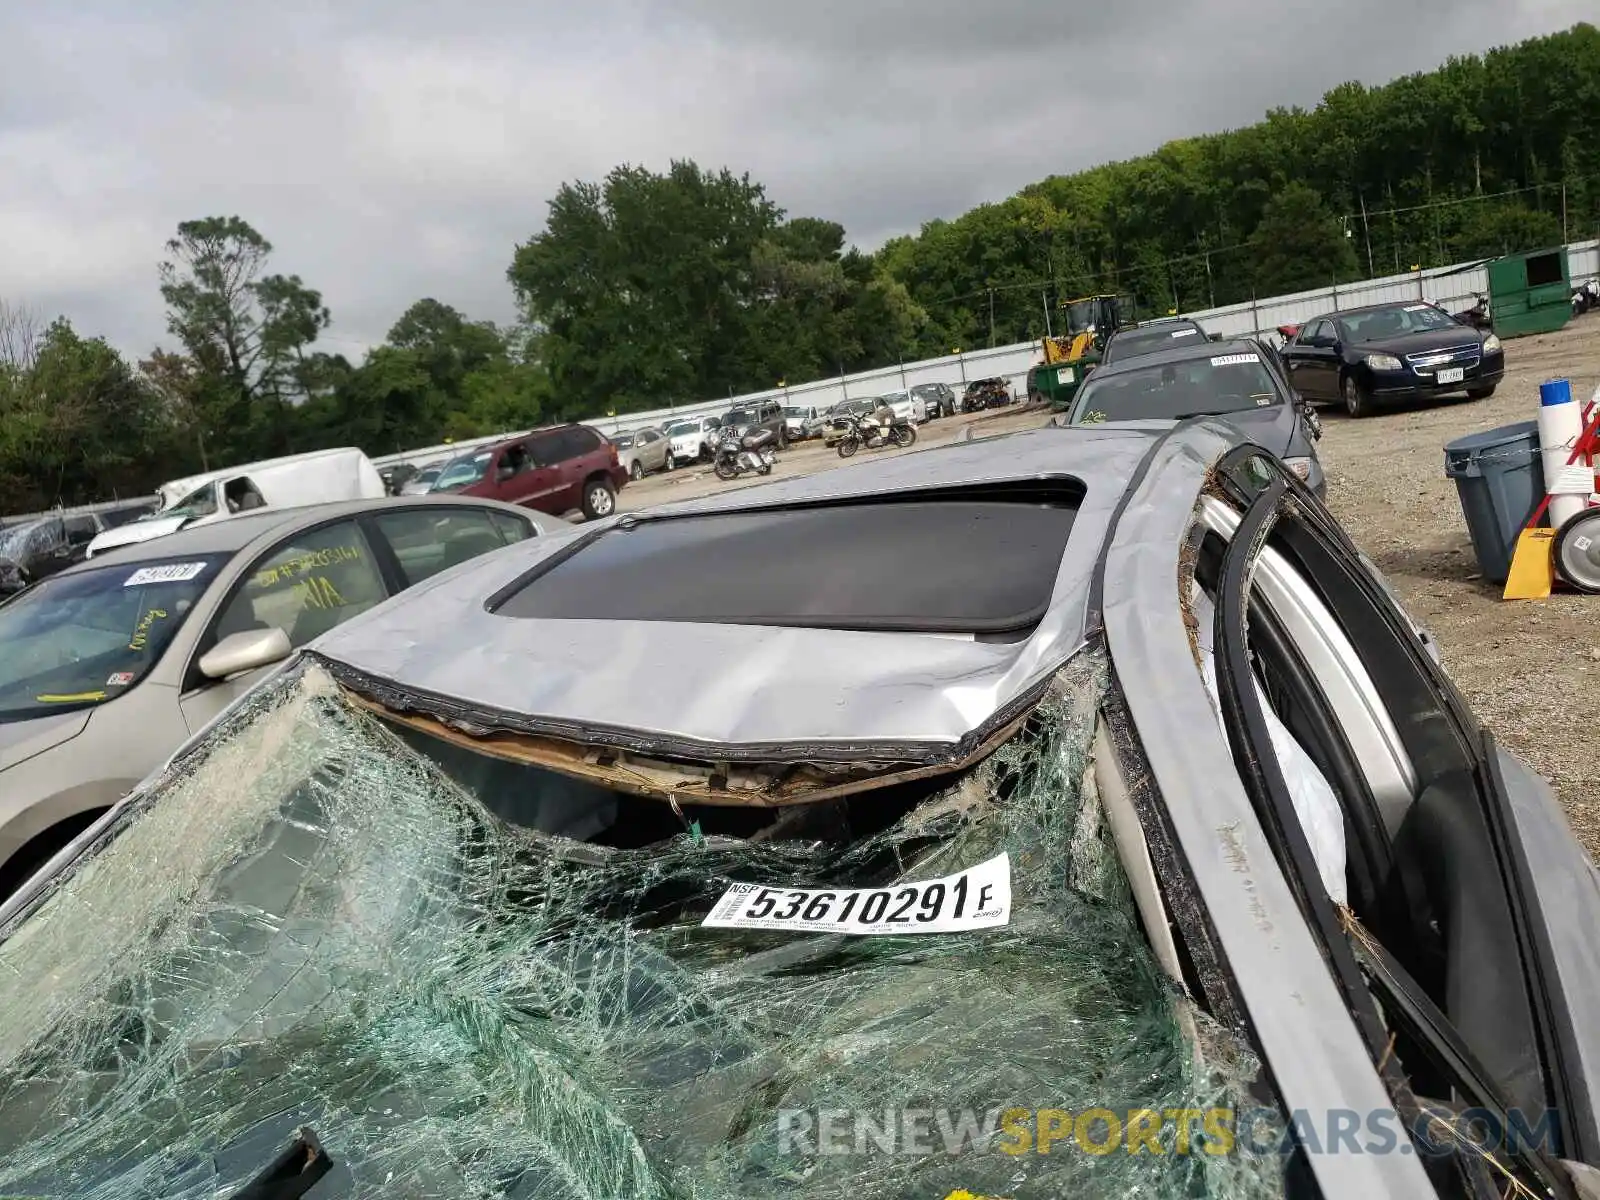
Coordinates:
1208	220
76	422
651	289
1298	245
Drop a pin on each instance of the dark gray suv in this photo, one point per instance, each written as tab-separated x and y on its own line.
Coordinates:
763	414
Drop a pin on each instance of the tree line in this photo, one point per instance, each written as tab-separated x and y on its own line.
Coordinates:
646	289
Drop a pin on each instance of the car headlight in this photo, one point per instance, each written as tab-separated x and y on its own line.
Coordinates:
1491	344
1300	466
1383	362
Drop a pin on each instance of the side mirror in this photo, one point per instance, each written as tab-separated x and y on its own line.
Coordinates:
247	650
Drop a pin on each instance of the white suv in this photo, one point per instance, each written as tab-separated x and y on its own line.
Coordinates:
689	439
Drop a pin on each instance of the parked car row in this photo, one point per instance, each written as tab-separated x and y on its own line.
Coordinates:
1098	760
1357	358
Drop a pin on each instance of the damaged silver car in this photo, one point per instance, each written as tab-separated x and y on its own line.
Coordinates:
1093	823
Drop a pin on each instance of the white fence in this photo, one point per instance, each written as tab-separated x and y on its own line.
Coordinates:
1453	288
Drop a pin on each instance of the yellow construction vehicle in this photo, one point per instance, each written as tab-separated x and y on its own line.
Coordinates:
1090	320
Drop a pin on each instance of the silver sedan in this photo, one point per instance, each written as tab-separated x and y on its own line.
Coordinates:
109	666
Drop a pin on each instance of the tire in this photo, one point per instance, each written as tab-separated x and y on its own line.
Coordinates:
764	469
636	472
904	435
1482	393
848	446
1574	553
726	470
1357	403
599	500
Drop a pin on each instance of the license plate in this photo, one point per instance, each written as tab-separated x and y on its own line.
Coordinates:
1452	375
977	898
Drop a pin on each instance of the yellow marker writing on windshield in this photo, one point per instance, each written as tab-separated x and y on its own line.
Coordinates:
73	698
141	634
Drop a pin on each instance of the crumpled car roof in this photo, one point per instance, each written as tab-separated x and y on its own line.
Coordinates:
714	685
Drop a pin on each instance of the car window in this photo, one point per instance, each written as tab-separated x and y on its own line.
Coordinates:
463	472
1221	383
85	637
893	568
561	445
306	586
81	529
202	502
429	540
1397	321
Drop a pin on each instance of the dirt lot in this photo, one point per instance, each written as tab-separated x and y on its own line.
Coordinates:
1530	669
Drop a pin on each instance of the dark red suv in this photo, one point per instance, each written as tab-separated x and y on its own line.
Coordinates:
553	470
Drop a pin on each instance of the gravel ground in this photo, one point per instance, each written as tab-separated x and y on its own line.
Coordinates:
1530	669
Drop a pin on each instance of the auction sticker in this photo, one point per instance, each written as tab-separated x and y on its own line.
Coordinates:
1183	332
120	679
977	898
170	573
1228	360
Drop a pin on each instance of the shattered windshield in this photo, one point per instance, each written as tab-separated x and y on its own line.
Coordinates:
473	977
80	639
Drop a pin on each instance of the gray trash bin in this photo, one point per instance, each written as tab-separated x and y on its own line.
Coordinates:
1500	480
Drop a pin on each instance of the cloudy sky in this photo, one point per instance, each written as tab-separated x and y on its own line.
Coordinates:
393	149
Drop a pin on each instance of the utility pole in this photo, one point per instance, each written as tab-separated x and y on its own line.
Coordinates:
991	318
1044	300
1366	229
1211	284
1564	239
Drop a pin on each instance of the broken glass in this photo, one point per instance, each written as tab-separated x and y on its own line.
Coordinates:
321	920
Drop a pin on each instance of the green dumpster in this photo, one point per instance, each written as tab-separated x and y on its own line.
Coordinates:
1530	293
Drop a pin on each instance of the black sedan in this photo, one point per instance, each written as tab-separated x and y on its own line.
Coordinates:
1387	352
1152	337
1234	380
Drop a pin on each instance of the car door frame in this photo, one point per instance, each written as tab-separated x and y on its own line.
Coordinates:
1569	1053
1306	361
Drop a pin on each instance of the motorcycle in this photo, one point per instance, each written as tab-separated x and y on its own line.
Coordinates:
1585	296
734	455
868	432
1478	315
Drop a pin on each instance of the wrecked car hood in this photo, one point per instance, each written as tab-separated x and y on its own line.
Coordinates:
760	688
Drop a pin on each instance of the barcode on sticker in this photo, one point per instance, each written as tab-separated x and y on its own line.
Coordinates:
977	898
1229	360
1183	332
170	573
